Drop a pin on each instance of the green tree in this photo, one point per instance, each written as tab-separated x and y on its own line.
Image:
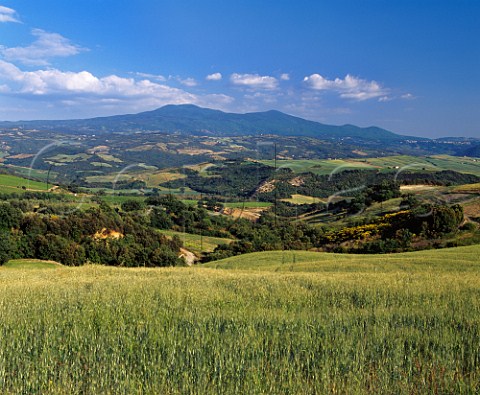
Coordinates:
445	219
160	219
132	205
5	248
9	216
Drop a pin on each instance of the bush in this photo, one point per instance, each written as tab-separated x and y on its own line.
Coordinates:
469	226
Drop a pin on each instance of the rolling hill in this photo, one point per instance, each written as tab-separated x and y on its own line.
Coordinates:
309	261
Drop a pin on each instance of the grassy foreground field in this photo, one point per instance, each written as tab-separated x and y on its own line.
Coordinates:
276	323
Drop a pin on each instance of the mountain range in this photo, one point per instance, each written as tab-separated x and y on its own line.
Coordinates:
191	119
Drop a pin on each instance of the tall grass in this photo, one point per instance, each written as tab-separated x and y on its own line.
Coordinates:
366	329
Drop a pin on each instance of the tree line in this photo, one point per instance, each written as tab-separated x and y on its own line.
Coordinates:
131	235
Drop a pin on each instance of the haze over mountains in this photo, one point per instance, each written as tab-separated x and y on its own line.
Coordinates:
191	119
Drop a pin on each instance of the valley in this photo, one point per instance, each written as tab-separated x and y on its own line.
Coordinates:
325	184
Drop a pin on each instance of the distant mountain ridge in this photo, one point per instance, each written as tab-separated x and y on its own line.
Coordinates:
191	119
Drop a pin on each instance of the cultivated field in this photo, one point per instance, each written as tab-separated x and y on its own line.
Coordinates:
319	166
273	323
197	243
391	163
11	184
428	163
302	199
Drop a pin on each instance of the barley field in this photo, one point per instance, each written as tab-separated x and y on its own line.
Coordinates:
268	323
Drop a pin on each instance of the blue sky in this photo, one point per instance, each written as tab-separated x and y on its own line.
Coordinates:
412	67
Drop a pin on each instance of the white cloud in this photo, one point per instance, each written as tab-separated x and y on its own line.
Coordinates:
54	81
46	46
266	98
407	96
190	82
157	77
285	77
214	77
215	100
254	81
8	15
350	87
83	87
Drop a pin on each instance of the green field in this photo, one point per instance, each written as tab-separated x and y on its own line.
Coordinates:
412	162
247	204
318	166
428	163
31	264
34	173
302	199
339	220
64	158
110	178
198	243
390	163
109	158
391	205
308	261
10	183
190	202
154	179
100	164
119	199
468	188
278	323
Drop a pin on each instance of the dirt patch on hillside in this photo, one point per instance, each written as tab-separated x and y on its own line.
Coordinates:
358	152
251	214
99	149
188	256
472	209
107	234
194	151
297	181
267	186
